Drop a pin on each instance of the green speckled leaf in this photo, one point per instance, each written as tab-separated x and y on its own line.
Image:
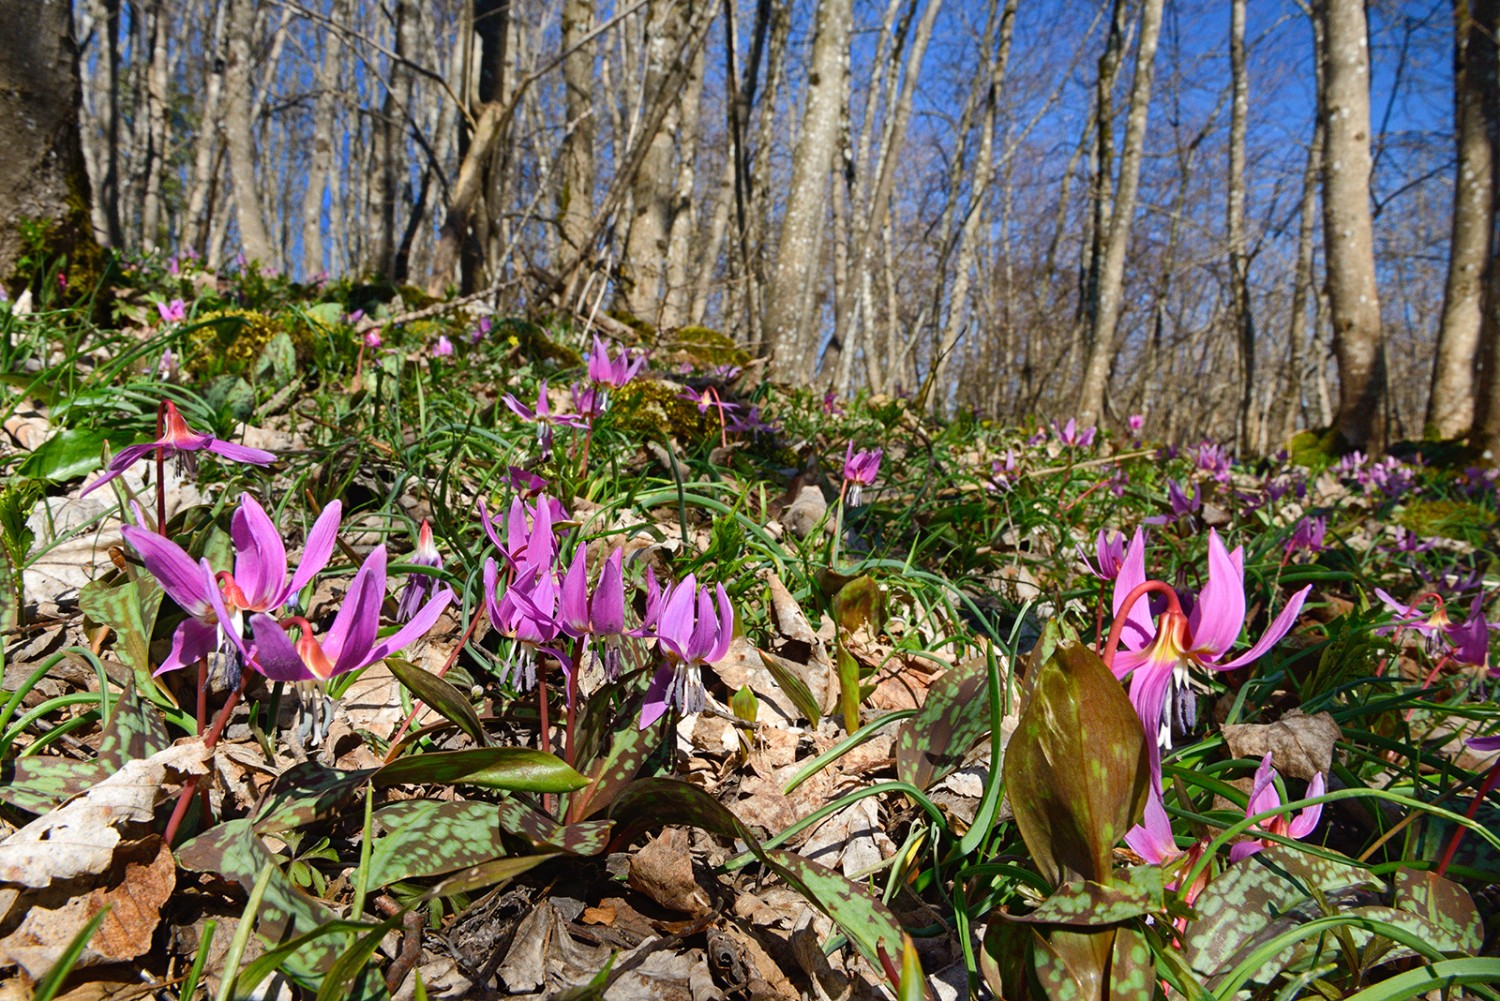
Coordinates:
233	851
37	784
1131	967
648	804
794	687
427	837
441	696
1443	903
278	360
587	837
1263	894
129	609
1076	768
1087	903
629	749
955	715
1073	965
485	874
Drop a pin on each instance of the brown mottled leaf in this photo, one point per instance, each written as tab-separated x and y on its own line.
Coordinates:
955	715
1076	768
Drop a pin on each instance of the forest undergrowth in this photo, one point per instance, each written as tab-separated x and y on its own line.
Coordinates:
359	646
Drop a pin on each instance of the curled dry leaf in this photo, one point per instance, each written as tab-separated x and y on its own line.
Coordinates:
80	837
1301	746
663	871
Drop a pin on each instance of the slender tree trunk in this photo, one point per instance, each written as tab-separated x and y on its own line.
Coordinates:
681	248
154	124
207	142
1450	406
1484	60
1348	231
1239	264
239	133
1304	296
576	199
802	223
324	108
1112	273
109	194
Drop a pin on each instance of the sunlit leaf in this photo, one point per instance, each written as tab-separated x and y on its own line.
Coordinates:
954	716
447	700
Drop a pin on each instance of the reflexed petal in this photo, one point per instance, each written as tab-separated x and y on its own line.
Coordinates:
675	627
357	624
241	453
705	629
123	460
1491	743
1152	839
1279	628
658	695
1138	629
1148	693
1218	617
491	590
260	555
184	580
726	626
520	409
414	630
573	608
1263	795
607	610
193	640
319	548
226	623
1244	850
276	655
1305	822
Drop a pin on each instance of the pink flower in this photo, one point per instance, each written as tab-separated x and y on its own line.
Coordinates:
860	470
1070	434
1109	555
178	438
1135	422
1265	797
372	339
612	373
1157	656
443	348
172	312
691	628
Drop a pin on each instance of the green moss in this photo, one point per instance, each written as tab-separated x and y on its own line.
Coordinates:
653	409
230	340
414	298
1314	450
640	326
1460	520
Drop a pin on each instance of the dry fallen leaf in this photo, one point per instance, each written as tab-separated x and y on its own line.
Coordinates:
1301	746
663	871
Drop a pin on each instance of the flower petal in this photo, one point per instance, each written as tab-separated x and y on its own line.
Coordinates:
354	629
319	548
1279	628
607	608
260	555
1218	617
123	460
1138	630
179	576
241	453
276	655
1263	796
658	695
1152	839
573	608
193	640
1307	820
414	630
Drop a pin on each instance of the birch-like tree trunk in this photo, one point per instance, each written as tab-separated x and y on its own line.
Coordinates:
1348	229
802	223
1303	293
1485	61
1450	406
325	107
239	132
1112	270
575	209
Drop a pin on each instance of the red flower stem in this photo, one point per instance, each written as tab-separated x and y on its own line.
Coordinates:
549	801
161	464
419	705
1489	783
190	787
203	718
1079	499
571	754
1112	645
1099	614
1427	682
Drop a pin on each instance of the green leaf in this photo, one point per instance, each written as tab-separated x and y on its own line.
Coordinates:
131	616
278	359
1263	894
1444	904
648	804
629	750
478	877
427	837
587	837
67	455
449	702
1088	904
1076	769
310	791
858	603
231	396
953	718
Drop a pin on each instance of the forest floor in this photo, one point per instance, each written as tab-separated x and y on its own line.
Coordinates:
461	655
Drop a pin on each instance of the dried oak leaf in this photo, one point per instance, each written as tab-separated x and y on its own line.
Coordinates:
1301	746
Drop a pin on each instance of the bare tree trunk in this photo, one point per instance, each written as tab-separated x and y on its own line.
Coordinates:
681	248
1450	406
43	177
1239	264
1112	273
109	193
1303	293
576	199
324	108
239	133
154	125
802	223
1348	232
1484	60
206	145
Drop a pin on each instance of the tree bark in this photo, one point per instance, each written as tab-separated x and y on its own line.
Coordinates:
239	133
802	224
1450	406
576	199
1486	61
43	178
1239	264
324	109
1348	229
1112	272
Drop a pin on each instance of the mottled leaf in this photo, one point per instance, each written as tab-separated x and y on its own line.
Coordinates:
860	602
1443	903
629	750
447	700
486	874
587	837
955	715
426	837
1076	768
134	731
129	609
1272	889
1087	903
794	687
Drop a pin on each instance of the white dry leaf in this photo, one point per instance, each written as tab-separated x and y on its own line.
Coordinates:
80	836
